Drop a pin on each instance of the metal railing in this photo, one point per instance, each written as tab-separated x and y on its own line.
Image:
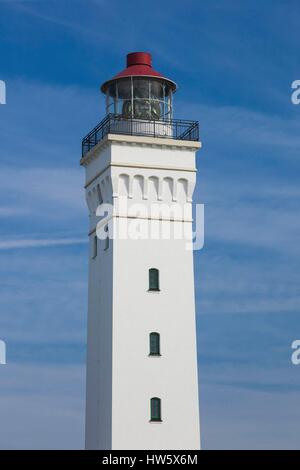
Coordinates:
176	129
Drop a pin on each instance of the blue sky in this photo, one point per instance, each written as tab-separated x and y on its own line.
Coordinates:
234	62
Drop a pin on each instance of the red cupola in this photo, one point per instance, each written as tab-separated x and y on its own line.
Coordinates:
139	64
139	91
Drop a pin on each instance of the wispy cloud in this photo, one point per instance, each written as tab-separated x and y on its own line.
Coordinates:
39	243
27	7
12	211
42	406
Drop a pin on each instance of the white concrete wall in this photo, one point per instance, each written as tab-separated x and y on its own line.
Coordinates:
121	377
99	350
138	377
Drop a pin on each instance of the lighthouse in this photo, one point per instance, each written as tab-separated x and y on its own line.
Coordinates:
140	167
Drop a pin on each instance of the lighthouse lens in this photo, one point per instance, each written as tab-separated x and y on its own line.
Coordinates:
155	110
127	109
141	109
140	98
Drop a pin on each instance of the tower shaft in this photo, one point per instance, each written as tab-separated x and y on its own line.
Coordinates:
142	387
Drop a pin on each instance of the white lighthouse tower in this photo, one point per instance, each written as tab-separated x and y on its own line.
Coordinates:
142	386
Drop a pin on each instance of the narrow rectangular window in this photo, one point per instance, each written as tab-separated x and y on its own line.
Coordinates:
95	246
106	241
153	279
154	344
155	406
100	198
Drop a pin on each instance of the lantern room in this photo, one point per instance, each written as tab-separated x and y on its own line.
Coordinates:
139	102
139	91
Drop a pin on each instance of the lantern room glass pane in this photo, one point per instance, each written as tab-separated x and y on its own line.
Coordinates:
140	98
141	102
156	90
112	90
140	88
168	90
124	88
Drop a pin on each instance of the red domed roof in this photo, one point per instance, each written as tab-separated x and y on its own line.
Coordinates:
139	64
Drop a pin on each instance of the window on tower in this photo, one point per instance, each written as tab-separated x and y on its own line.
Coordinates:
95	246
155	409
100	198
153	279
154	340
106	241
